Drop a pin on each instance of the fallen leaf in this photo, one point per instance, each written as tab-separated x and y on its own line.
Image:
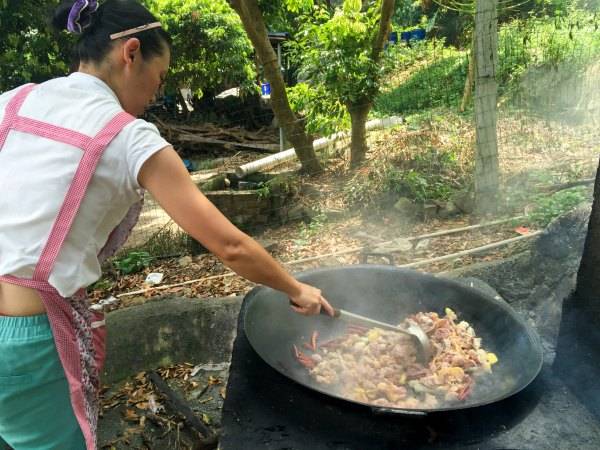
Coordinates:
131	416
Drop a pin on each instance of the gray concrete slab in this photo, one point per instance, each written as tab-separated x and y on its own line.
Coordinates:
169	330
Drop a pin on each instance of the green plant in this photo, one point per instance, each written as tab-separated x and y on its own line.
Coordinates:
103	284
548	208
210	48
133	262
335	50
561	45
323	114
313	227
29	50
429	175
432	76
340	50
263	191
167	242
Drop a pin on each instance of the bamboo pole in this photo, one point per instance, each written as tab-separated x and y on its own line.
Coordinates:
471	251
412	238
289	154
315	258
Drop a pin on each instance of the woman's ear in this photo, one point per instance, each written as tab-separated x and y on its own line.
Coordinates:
131	50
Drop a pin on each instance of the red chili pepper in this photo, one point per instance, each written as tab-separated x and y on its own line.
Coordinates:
313	340
466	390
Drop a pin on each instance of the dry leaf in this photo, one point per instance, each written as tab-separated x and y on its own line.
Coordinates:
131	416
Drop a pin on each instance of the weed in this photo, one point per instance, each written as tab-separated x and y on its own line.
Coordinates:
428	175
133	262
313	228
549	208
103	284
263	191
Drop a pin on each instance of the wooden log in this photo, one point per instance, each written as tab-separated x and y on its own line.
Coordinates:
205	140
568	185
179	406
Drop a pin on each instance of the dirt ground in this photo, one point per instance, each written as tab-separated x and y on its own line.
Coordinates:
533	155
539	155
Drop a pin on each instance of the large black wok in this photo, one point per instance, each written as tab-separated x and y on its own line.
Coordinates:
389	294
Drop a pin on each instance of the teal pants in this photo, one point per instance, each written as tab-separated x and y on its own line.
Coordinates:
35	408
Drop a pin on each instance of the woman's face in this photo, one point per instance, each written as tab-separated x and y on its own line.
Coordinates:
142	79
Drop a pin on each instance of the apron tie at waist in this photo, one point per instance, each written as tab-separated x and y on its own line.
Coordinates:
34	284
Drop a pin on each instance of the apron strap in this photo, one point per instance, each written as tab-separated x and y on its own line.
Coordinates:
76	193
11	111
93	149
50	131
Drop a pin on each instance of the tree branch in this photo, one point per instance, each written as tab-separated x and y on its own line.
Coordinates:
387	11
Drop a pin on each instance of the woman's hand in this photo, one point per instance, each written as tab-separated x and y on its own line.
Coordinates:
309	301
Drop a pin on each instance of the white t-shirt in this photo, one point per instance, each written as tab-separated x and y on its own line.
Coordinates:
36	172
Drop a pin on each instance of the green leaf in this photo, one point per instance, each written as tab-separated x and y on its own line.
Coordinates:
352	6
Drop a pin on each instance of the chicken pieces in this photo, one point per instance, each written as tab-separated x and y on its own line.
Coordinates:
380	367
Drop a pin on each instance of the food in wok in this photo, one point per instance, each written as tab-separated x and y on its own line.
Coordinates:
381	367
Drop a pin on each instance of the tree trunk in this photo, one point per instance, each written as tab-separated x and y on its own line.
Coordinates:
293	127
470	75
486	91
588	276
359	111
358	147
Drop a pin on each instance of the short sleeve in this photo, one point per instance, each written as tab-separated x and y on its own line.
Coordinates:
141	140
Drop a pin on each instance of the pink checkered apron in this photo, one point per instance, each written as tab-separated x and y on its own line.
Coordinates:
79	333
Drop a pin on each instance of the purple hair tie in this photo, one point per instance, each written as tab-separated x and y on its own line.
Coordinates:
80	15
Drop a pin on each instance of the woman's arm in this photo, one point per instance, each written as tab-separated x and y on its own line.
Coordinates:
167	179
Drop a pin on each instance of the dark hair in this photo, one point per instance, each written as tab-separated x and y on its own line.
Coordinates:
111	17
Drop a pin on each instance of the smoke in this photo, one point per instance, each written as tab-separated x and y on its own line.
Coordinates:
565	93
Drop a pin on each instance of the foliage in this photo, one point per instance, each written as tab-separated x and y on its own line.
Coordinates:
313	228
434	76
567	43
549	208
29	50
429	74
283	16
133	262
408	13
323	114
211	51
334	49
263	191
103	284
167	242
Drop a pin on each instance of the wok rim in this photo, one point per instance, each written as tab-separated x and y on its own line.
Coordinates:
534	339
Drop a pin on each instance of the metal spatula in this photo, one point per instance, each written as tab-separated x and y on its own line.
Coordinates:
413	330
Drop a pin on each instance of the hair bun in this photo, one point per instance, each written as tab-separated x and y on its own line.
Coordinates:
75	16
61	15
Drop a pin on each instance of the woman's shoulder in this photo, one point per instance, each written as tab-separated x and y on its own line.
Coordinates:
7	95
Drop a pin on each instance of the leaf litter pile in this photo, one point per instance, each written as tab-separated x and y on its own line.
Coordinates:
173	407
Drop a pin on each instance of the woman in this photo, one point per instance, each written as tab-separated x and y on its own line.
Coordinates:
73	159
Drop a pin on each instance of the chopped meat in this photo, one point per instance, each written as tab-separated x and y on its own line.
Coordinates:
380	367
